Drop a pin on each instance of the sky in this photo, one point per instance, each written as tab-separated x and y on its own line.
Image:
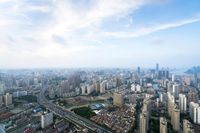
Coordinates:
99	33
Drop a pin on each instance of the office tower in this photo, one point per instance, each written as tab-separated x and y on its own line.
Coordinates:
163	125
157	67
161	97
138	71
166	74
169	87
175	118
7	99
46	119
187	127
173	77
118	99
144	122
182	103
175	90
194	112
103	87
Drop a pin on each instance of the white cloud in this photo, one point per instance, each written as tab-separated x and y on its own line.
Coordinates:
62	28
149	30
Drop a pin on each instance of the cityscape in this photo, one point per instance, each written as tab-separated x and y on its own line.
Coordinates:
100	100
99	66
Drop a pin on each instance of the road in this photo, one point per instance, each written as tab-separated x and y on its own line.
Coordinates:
70	116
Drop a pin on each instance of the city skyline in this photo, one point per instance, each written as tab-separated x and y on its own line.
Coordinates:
99	33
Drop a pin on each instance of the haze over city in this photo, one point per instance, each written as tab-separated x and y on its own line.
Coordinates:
99	33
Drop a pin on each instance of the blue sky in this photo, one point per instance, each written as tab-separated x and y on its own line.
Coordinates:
99	33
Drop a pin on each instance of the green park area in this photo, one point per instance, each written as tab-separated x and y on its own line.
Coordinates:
84	112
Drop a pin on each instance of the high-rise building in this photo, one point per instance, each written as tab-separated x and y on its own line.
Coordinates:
103	87
7	99
84	90
187	127
1	89
51	93
97	86
163	125
173	77
144	122
133	87
175	118
157	67
182	103
171	102
46	119
146	105
194	112
175	90
118	99
161	97
138	71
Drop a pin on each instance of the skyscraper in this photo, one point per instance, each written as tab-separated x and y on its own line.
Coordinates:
175	119
157	67
194	112
103	87
173	77
138	71
118	99
144	122
46	119
182	103
175	90
7	99
171	102
163	125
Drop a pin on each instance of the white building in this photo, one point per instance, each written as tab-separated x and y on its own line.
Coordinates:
90	88
194	112
138	88
161	97
133	87
182	102
175	90
46	120
7	99
87	89
173	77
84	90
